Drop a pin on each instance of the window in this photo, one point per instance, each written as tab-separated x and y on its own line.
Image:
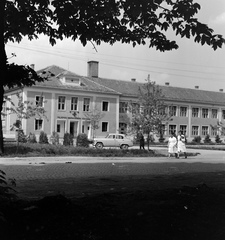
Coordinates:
162	111
205	113
105	106
214	113
104	126
58	128
162	129
223	114
135	107
123	107
86	105
38	124
183	129
213	131
111	136
205	130
123	128
195	112
119	137
74	101
183	111
172	129
61	103
39	101
173	110
194	131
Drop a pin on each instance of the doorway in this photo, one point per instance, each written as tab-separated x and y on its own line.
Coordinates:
73	128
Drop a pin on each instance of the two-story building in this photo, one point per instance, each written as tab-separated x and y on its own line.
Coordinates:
70	99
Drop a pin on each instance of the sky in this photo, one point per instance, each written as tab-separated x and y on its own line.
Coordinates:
189	66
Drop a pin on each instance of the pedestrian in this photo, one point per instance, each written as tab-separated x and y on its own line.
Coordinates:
172	145
181	147
142	142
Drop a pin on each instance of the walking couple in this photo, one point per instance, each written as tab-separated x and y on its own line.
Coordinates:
176	145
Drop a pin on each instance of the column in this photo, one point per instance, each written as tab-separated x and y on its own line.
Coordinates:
53	127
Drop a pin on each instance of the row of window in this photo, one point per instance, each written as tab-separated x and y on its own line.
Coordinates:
195	130
38	126
183	111
195	112
74	103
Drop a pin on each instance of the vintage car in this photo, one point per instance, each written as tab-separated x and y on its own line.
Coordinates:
113	140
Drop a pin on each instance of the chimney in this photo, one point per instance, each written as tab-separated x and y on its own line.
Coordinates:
32	66
196	87
221	90
92	69
133	79
167	83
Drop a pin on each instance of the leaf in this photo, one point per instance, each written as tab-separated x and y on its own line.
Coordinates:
2	172
3	182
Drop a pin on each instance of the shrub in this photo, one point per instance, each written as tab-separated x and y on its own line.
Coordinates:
55	138
217	139
151	138
197	139
83	141
32	138
207	139
67	139
31	150
21	136
43	138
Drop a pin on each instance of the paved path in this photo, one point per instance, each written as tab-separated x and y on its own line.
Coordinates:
72	175
73	167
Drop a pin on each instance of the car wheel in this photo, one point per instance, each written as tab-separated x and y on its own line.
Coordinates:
124	146
99	145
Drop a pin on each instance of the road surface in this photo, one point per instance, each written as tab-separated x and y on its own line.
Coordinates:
77	176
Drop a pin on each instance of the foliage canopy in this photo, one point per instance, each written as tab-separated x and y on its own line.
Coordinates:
110	21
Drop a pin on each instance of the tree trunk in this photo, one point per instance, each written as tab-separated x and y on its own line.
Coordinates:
3	60
1	132
148	138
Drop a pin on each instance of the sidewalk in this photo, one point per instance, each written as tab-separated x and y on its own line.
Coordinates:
204	156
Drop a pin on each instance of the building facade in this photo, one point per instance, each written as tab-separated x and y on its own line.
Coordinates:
72	101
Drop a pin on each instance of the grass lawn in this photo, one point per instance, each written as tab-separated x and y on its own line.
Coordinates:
34	150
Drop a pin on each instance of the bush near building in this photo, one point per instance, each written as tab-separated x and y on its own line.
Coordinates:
83	141
207	139
31	138
54	138
197	139
217	139
43	138
68	139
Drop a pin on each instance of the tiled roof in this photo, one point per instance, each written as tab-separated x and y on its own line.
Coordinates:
52	73
126	88
193	95
129	88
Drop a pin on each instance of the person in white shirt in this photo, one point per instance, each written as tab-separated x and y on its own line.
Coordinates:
172	145
181	147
